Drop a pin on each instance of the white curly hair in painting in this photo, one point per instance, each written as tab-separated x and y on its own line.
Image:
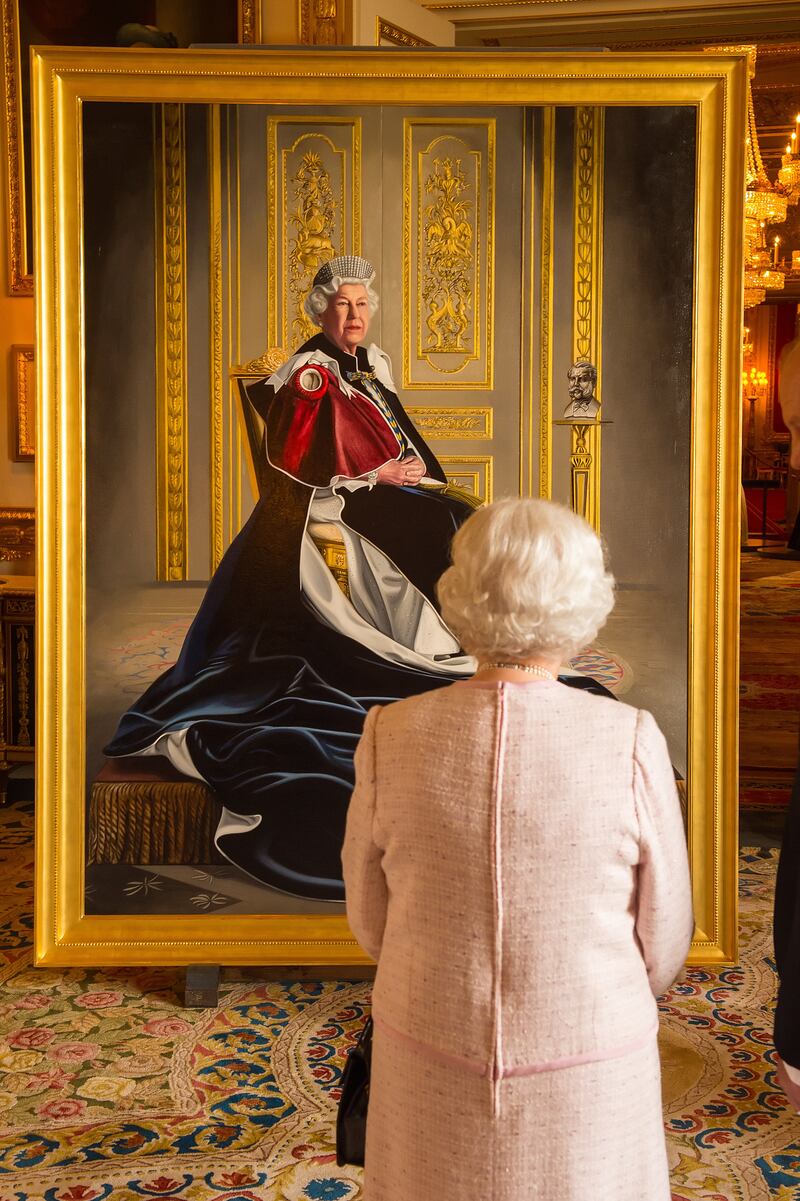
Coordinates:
344	269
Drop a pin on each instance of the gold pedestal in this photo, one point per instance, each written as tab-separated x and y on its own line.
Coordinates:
584	466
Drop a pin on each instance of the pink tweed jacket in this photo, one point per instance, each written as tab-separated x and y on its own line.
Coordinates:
515	860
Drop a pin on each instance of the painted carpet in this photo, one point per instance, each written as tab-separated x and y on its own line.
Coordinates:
137	662
110	1089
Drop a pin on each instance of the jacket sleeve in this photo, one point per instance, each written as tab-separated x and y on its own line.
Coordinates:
366	892
664	917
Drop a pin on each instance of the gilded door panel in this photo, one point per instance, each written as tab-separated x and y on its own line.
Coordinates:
314	211
455	336
448	252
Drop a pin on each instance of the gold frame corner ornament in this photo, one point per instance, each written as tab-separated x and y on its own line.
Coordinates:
63	79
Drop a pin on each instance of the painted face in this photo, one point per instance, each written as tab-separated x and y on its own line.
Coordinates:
346	319
580	383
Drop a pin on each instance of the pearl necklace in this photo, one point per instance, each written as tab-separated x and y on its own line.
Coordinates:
533	669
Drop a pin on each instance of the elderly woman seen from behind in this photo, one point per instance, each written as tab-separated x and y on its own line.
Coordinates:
515	860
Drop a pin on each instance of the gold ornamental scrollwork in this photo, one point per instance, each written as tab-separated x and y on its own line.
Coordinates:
448	234
23	685
448	253
472	422
265	364
313	213
587	286
546	275
171	432
588	232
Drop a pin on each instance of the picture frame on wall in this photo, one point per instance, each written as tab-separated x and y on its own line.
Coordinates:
25	23
238	175
23	408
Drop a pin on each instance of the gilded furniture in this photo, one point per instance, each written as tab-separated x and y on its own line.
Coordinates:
17	696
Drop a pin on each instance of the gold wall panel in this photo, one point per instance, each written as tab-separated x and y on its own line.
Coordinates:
546	302
472	422
313	213
448	252
171	415
215	333
588	275
473	473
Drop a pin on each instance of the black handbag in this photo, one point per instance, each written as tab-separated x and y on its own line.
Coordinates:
351	1117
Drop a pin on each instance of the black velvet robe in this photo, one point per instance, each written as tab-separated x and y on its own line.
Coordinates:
274	700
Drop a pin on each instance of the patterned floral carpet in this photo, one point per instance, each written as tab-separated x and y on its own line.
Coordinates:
110	1089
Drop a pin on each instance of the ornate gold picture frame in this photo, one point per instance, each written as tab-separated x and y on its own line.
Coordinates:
66	84
23	411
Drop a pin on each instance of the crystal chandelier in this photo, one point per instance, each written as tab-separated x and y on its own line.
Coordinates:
789	174
761	270
764	201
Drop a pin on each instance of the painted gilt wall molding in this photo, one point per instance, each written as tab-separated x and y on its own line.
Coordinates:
171	415
546	302
473	473
217	427
448	253
313	213
471	423
586	449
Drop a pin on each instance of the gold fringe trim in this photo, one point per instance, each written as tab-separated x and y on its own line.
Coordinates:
157	821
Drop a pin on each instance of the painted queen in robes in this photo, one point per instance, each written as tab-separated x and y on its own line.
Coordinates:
277	672
279	667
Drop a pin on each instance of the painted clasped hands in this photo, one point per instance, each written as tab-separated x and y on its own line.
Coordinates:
407	471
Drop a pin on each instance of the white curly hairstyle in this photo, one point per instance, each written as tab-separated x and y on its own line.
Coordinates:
527	576
321	295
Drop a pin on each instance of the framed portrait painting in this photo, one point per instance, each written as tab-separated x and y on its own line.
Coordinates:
245	509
